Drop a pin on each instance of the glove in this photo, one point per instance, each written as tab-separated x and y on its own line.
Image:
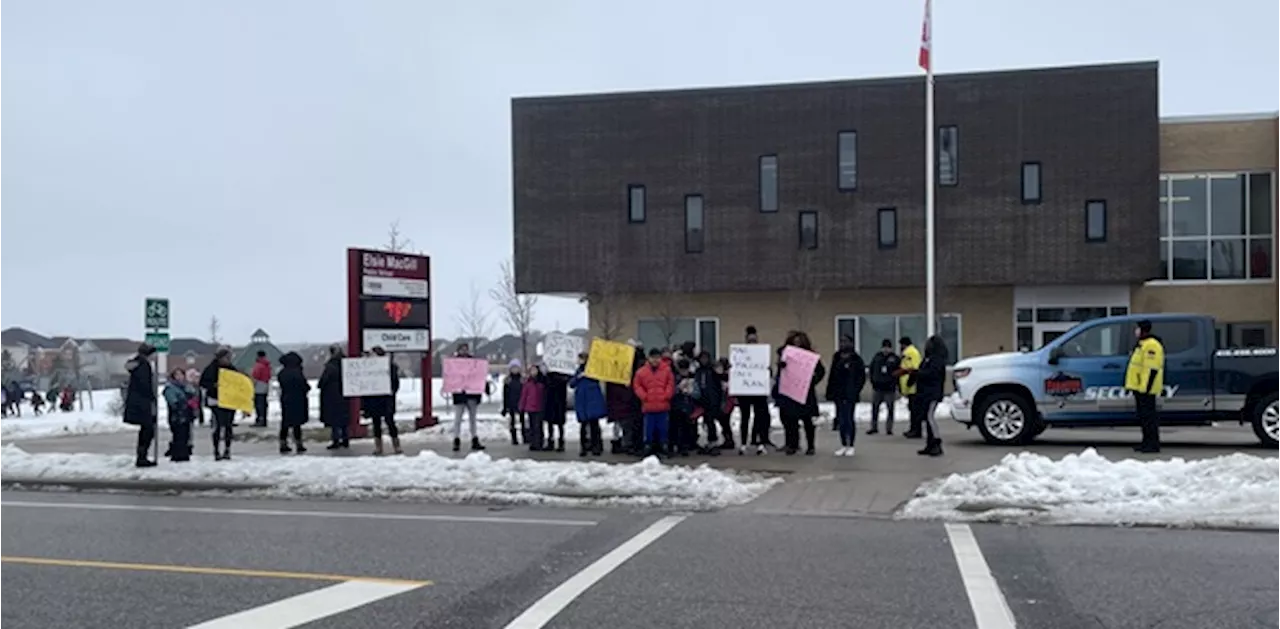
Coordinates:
782	364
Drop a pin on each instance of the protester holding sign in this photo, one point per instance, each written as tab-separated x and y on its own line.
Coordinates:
381	409
223	415
799	371
588	404
335	411
624	410
467	380
758	404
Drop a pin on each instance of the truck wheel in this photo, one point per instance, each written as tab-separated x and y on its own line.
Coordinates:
1266	420
1007	419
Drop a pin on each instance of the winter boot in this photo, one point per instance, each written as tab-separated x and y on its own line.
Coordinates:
298	447
515	439
457	444
395	445
615	446
144	462
560	444
475	444
936	448
583	451
333	446
377	447
346	443
810	438
284	447
928	448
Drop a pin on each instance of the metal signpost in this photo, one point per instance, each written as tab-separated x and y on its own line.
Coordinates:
155	323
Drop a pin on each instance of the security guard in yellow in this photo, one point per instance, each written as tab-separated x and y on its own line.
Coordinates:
1145	378
910	362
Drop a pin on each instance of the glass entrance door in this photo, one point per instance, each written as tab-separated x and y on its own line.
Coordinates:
1045	333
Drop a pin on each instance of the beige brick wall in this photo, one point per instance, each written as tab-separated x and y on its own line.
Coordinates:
1218	146
986	314
1232	303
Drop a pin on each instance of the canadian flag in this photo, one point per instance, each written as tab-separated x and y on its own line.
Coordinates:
926	37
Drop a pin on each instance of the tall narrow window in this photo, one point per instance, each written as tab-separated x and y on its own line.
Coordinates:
808	230
948	155
887	227
635	203
848	166
1030	182
1095	220
693	232
768	183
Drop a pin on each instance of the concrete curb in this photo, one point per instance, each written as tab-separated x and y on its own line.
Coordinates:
128	484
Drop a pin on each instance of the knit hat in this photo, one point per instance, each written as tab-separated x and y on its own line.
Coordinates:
514	364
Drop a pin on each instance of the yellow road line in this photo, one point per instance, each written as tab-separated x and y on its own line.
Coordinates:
230	572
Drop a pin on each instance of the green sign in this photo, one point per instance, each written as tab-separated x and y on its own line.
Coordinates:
156	315
158	340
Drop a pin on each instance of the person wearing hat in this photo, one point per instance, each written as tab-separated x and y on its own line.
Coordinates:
910	362
335	410
1145	379
140	401
883	387
511	387
222	417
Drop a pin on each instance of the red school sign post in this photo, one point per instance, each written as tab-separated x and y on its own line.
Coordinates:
389	306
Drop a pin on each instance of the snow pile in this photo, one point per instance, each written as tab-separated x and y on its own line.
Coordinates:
1236	490
57	424
478	477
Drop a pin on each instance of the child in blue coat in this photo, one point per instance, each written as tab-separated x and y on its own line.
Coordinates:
588	404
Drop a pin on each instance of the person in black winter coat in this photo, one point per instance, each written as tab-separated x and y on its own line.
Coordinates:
140	407
381	409
294	405
930	381
511	388
756	434
794	413
222	417
555	408
335	410
884	386
712	385
844	387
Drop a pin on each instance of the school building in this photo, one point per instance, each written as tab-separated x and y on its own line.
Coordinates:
1061	196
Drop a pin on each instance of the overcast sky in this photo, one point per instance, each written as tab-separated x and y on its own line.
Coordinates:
224	154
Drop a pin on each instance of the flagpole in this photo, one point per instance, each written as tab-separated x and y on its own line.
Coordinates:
930	304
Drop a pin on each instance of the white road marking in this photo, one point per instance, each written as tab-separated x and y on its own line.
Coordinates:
304	514
309	607
990	610
546	608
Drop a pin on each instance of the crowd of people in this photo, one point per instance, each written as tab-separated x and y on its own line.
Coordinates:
63	397
678	401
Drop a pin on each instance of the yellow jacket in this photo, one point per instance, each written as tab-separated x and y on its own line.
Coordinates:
1146	367
910	360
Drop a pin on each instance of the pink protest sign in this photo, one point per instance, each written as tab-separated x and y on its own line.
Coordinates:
465	375
795	378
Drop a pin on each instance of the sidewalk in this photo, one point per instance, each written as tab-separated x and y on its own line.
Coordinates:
885	473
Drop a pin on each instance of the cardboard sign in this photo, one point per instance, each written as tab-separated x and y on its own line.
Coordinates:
235	391
465	375
366	375
610	362
794	380
749	369
560	352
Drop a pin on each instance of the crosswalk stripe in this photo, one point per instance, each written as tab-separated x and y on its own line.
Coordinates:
309	607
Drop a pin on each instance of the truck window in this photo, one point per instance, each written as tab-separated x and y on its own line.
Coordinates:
1100	340
1176	336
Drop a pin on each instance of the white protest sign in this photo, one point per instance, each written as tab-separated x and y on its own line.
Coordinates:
368	375
560	352
748	369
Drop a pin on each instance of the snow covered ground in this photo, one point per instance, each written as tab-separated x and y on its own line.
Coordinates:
478	477
59	424
1237	490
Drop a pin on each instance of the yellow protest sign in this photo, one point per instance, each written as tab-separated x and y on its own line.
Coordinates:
235	391
610	361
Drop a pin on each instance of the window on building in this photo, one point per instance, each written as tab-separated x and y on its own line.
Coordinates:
1243	335
1111	339
869	331
1216	226
848	167
671	332
769	183
635	203
887	227
693	224
1025	338
1095	220
808	230
1031	184
1119	311
948	155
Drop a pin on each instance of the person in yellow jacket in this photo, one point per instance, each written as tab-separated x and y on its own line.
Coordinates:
910	362
1145	378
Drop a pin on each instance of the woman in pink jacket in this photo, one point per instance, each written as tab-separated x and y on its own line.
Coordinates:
532	402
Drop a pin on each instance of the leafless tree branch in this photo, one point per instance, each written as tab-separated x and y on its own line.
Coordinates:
806	289
667	304
473	320
214	327
603	305
517	309
396	242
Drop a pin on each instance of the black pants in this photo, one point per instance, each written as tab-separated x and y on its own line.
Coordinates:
260	409
390	420
295	430
759	433
514	419
916	414
222	418
1148	418
718	423
589	436
180	444
791	423
146	434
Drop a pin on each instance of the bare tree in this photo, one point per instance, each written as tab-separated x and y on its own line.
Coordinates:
603	305
396	242
517	309
214	327
473	319
666	305
806	289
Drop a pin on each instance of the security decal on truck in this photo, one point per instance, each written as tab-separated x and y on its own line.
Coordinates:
1119	393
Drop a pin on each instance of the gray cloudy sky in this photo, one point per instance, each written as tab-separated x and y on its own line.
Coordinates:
224	154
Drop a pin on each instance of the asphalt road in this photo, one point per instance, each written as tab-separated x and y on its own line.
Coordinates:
93	560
